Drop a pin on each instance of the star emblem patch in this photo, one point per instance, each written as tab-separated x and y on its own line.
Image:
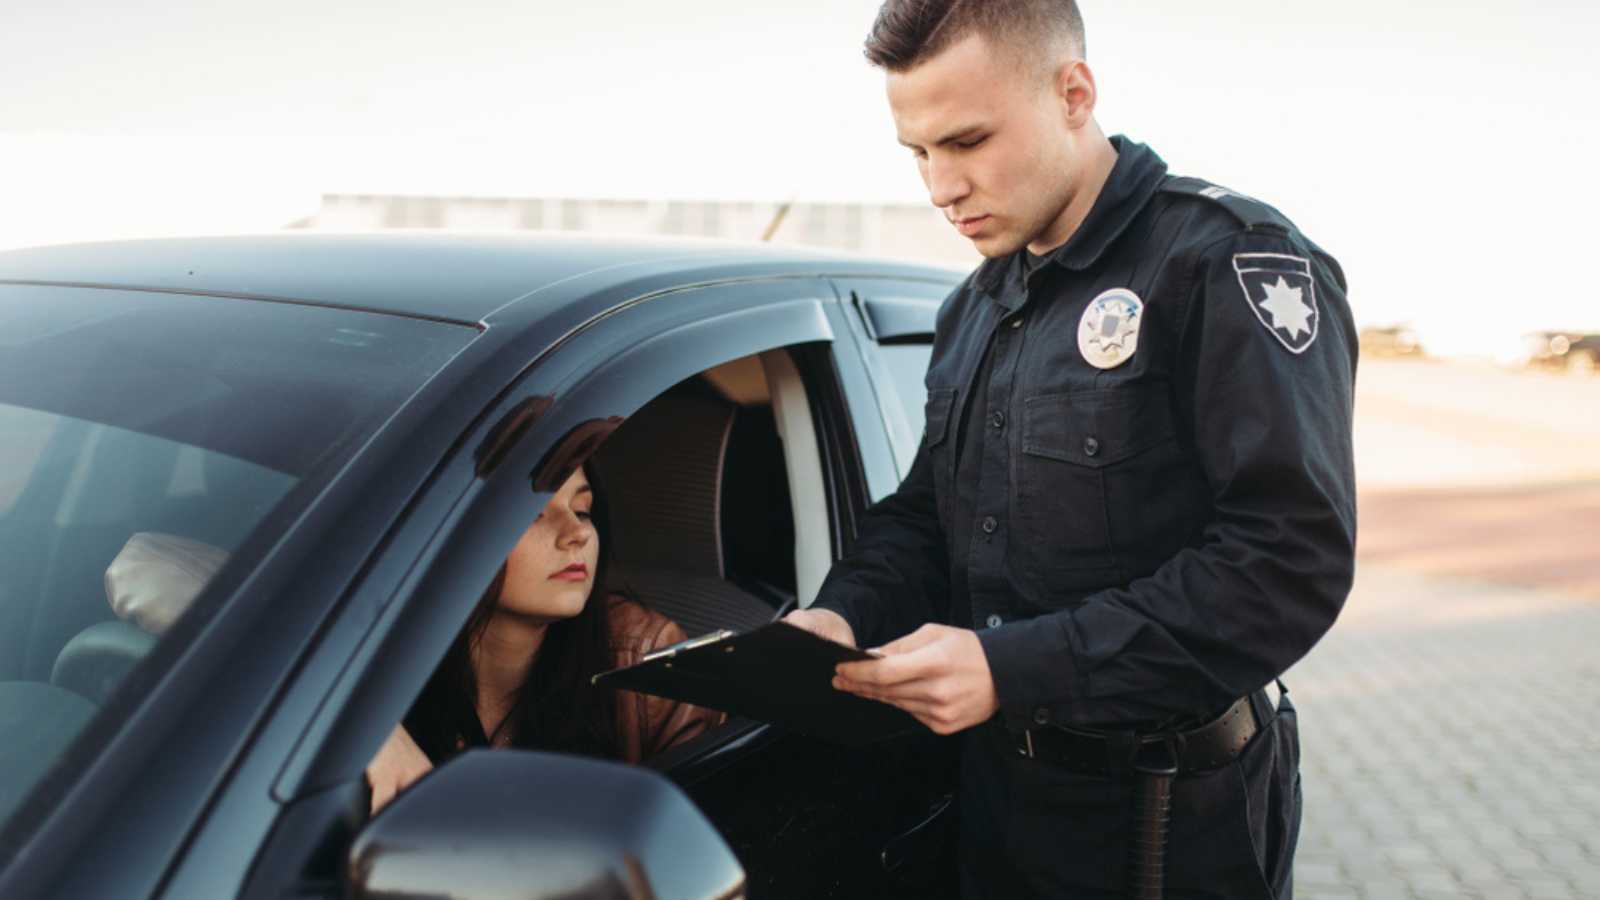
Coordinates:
1282	294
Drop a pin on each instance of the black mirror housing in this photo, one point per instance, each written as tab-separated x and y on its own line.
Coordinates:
509	823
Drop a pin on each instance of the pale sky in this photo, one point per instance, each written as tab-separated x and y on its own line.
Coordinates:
1442	150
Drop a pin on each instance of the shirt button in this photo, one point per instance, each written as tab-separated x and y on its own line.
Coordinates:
994	621
1091	446
1017	322
990	524
998	419
1041	716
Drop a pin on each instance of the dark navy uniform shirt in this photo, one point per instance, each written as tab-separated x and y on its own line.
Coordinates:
1142	542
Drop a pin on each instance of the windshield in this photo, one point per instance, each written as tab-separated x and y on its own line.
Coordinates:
144	438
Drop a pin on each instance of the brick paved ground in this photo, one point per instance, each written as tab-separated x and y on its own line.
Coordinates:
1449	720
1451	746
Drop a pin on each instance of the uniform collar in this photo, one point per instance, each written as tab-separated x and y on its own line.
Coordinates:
1134	179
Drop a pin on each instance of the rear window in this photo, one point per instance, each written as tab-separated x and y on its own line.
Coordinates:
144	439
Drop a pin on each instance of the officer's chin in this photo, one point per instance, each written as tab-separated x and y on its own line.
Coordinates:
992	246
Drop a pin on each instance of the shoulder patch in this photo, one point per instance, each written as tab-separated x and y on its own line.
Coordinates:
1250	212
1279	289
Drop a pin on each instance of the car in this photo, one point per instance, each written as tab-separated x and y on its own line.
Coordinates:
357	424
1390	340
1575	351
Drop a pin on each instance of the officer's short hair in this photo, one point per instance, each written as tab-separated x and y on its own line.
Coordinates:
908	32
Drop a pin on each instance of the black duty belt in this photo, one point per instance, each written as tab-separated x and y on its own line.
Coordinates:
1206	746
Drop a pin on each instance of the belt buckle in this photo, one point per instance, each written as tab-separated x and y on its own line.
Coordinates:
1167	768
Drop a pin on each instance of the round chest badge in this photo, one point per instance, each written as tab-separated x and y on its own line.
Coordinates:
1108	333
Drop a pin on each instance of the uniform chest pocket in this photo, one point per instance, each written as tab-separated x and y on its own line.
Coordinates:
1079	451
1096	428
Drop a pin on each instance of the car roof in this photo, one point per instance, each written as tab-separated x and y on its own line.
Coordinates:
435	275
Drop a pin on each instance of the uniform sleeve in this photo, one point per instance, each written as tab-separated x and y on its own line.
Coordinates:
896	576
1270	414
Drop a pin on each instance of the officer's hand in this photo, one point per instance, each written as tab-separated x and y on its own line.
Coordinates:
937	673
825	623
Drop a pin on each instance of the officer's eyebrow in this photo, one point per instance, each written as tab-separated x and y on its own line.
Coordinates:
956	136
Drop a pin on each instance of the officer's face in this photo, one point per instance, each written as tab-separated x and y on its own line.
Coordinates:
996	142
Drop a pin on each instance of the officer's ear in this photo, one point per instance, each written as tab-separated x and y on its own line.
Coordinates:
1075	91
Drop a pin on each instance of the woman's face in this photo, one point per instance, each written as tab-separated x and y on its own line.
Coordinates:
550	572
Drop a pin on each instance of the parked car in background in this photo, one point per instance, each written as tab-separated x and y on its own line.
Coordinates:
363	426
1573	351
1390	340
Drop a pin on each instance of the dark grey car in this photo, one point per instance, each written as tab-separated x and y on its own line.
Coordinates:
363	425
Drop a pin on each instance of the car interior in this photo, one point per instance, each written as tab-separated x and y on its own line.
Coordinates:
702	484
63	654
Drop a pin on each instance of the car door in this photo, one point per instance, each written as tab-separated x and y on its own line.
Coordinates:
807	819
886	324
812	819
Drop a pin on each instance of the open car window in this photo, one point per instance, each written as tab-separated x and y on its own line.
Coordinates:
716	496
144	437
708	488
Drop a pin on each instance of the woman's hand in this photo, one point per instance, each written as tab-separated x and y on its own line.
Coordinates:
398	763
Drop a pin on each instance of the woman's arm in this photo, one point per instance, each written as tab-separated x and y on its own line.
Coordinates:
670	723
648	724
399	762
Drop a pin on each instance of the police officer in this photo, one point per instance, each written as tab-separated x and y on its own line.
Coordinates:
1134	501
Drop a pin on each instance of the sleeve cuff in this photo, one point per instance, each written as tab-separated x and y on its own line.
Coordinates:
1034	674
835	603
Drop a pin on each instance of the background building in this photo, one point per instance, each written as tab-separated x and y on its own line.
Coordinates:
908	231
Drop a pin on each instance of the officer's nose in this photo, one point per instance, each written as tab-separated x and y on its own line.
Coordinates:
947	183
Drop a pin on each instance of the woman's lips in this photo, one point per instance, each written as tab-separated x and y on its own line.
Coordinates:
970	227
574	572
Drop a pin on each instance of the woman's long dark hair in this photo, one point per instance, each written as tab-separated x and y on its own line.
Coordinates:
556	708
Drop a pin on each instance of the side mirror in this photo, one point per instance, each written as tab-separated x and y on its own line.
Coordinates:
509	823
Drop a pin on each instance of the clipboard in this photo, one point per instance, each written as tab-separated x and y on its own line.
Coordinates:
777	673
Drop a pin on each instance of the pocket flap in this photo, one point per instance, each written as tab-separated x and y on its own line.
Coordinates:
1096	428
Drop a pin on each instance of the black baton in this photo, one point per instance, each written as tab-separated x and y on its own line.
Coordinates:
1155	764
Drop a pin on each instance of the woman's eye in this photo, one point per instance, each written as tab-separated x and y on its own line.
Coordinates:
584	514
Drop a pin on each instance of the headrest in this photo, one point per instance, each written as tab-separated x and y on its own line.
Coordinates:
99	658
156	576
662	473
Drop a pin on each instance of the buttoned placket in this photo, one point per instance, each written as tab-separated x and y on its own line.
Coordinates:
987	581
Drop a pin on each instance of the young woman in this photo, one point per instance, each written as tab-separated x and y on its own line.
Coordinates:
518	675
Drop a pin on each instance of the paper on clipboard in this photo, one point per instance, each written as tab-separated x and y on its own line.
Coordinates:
777	673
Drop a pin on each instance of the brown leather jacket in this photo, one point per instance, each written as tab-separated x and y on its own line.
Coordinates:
647	725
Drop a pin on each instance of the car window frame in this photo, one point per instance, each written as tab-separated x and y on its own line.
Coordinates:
892	311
